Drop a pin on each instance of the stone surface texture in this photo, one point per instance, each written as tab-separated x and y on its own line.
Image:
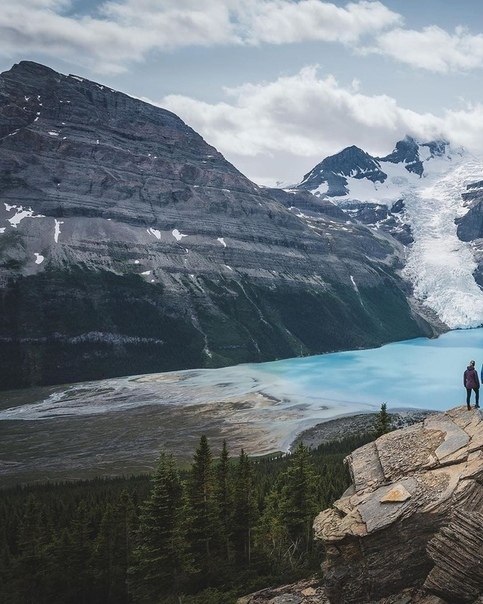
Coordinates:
129	245
413	519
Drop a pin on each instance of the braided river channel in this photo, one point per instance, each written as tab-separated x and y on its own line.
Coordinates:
118	425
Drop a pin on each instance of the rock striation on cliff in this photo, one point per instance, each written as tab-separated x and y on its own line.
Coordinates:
130	245
413	517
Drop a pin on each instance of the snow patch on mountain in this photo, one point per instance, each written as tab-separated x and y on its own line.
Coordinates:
57	229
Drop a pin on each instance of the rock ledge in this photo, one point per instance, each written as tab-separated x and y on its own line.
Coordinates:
413	517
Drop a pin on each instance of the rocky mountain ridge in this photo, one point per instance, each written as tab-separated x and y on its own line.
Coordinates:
129	245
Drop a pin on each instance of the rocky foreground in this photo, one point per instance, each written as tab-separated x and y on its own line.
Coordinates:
410	528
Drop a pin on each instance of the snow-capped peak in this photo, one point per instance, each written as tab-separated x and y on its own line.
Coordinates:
422	183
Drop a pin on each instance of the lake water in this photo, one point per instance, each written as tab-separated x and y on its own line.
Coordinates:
118	425
420	373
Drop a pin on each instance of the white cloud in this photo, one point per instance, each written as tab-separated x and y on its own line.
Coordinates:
433	48
281	21
120	32
317	118
271	135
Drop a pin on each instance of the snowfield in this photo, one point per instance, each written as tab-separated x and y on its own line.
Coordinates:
439	265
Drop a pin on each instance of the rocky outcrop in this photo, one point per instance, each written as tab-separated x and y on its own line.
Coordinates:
309	591
130	245
412	519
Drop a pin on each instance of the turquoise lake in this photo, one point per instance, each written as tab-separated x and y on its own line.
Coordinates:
423	373
260	407
419	373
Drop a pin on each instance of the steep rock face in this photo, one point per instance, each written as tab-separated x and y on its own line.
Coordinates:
412	518
470	225
130	245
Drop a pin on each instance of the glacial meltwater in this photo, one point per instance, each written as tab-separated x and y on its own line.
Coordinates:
103	426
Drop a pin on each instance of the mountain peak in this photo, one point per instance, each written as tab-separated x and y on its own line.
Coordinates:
30	68
333	171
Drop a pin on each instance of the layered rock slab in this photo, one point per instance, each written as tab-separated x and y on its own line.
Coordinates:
413	516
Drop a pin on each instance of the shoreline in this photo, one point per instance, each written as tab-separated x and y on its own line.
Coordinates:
339	427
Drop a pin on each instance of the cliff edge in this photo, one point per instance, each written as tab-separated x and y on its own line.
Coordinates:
410	527
413	516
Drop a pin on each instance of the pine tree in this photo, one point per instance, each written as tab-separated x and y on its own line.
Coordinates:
202	511
245	512
383	422
298	501
81	552
30	562
285	529
224	498
158	559
112	550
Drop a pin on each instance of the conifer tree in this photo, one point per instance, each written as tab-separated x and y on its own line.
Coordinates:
158	559
80	553
245	511
202	511
109	560
224	497
31	560
298	500
383	422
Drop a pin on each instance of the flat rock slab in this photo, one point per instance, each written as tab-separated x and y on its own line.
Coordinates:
365	466
376	514
396	495
404	452
454	437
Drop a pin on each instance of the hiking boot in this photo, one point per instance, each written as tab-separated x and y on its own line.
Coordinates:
468	407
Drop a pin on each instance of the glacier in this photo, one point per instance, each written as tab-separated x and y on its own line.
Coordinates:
439	265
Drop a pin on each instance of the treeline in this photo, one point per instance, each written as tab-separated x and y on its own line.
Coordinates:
223	528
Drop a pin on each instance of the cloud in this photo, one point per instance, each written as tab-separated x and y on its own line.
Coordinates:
283	22
120	32
275	136
432	48
317	118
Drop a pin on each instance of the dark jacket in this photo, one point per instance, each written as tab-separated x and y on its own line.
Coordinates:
470	378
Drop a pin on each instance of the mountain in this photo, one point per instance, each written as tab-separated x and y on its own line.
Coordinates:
429	197
130	245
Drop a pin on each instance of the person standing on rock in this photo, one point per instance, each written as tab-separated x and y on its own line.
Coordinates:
471	382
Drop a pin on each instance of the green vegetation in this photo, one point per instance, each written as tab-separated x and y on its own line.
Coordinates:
121	325
206	535
382	424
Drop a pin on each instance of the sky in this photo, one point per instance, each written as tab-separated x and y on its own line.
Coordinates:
275	85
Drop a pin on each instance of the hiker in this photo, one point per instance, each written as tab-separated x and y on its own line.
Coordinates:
471	382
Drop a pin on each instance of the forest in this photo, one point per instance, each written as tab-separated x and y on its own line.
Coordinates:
207	534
